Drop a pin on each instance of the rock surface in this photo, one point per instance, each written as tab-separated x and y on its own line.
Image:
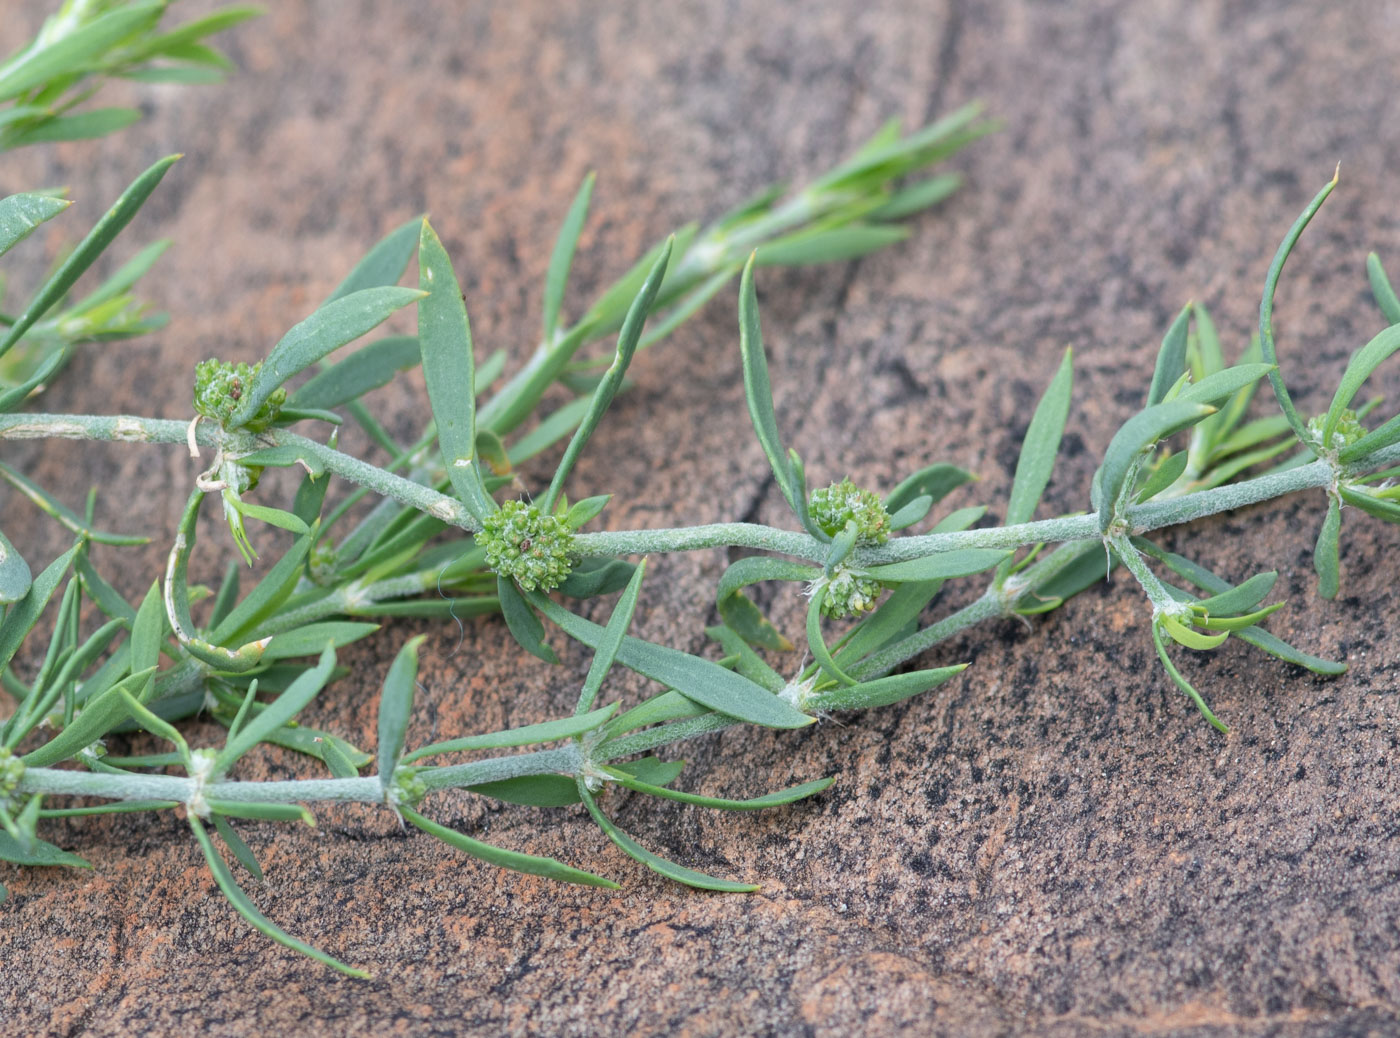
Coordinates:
1054	844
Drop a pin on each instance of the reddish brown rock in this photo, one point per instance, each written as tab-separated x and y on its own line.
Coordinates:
1054	844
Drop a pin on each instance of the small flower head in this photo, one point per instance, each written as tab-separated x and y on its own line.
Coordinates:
535	550
407	789
1347	431
218	388
834	506
849	594
11	771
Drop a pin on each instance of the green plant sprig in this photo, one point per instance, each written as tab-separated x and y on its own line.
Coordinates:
87	690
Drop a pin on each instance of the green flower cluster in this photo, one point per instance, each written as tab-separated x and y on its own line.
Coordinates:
1347	432
533	549
849	594
834	506
218	388
11	771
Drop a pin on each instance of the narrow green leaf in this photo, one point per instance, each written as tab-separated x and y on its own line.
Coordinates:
759	392
706	683
936	481
607	389
24	614
1216	388
66	516
277	713
529	863
15	575
562	258
339	765
92	246
1167	472
750	664
817	643
1183	635
1379	507
916	198
1171	358
778	799
1266	310
395	709
1042	444
524	625
1363	362
37	853
1235	624
1381	289
655	862
366	369
531	790
1383	436
97	122
261	812
329	328
240	850
267	594
20	216
1181	682
76	51
1243	597
547	731
911	513
104	712
384	264
445	339
1326	552
606	651
887	624
265	926
883	691
811	247
1137	433
942	566
738	611
312	639
148	631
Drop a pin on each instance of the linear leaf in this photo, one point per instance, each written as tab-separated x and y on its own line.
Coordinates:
312	639
92	246
936	481
1041	444
778	799
24	614
37	852
98	122
562	258
15	575
326	330
547	731
367	368
529	863
76	51
277	713
759	391
524	625
395	708
1363	362
445	340
627	340
1382	290
265	926
943	566
1171	357
884	691
739	613
1326	551
1138	432
697	679
1268	350
20	215
655	862
606	651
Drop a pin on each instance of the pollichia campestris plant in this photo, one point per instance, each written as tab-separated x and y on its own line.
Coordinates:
845	552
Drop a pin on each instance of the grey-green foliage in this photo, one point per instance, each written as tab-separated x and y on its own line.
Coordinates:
434	547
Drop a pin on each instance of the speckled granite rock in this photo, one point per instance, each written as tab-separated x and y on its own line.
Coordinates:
1055	844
